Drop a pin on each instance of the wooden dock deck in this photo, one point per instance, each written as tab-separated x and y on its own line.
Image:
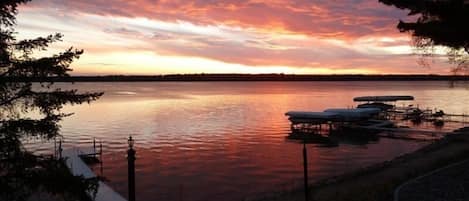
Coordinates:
79	168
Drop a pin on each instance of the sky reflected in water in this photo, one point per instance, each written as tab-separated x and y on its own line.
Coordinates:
226	140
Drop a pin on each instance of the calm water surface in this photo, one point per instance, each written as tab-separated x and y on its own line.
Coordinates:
226	140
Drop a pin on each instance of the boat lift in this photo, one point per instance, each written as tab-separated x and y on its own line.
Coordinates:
374	116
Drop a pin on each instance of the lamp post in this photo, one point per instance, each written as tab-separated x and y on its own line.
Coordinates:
305	171
131	168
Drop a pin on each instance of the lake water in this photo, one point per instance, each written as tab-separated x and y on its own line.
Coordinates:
226	140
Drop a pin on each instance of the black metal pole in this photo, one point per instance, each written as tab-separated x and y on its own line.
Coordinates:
305	171
131	173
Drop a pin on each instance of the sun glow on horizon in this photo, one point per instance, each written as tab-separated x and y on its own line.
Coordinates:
149	63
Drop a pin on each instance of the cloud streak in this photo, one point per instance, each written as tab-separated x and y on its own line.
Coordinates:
346	36
352	18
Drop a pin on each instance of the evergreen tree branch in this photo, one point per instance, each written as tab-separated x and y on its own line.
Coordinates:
41	43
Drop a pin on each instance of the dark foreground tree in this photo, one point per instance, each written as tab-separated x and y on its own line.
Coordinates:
438	23
22	174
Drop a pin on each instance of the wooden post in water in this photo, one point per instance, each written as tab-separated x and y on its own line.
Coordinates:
94	146
305	171
131	169
55	147
60	149
101	156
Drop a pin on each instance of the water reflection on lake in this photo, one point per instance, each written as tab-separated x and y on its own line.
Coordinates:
226	140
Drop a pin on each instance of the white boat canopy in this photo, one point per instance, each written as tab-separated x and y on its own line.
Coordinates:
327	116
354	114
335	114
382	98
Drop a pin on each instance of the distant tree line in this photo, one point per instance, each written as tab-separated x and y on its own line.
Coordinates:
242	77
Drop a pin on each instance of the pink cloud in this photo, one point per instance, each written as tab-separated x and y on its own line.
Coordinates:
255	44
318	18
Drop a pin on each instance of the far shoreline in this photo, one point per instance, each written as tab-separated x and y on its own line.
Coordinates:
243	78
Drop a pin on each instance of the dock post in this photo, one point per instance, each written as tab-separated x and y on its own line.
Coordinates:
101	156
60	148
131	169
94	145
305	171
55	147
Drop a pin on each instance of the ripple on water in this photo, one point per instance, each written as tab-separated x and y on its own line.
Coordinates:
228	140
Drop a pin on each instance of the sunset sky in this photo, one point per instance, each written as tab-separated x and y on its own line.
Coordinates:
227	36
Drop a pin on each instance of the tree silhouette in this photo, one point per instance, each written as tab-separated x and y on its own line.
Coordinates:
23	174
439	23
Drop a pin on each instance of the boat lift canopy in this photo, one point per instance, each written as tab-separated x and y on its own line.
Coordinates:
382	98
333	115
354	114
327	116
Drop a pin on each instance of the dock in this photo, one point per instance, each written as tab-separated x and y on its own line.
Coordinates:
378	116
314	122
76	165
